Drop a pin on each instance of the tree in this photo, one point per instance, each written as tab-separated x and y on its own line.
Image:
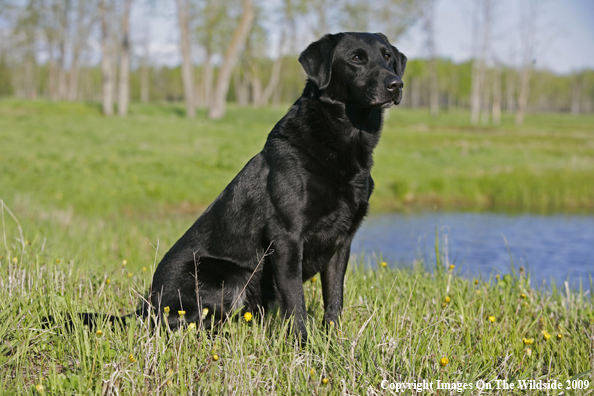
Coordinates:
106	62
183	14
217	108
429	22
124	81
527	38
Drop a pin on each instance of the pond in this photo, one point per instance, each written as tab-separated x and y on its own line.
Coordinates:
551	247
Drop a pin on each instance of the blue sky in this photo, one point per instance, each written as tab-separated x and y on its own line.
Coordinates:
565	40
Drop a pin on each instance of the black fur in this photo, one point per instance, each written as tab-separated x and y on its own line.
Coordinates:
294	208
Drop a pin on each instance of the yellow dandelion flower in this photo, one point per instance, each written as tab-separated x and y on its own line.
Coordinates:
312	372
247	316
492	319
99	333
130	275
170	373
559	336
452	266
444	361
444	305
204	312
107	281
522	295
124	262
215	357
546	336
131	358
325	381
15	260
181	313
384	264
448	299
39	388
166	310
143	269
528	341
57	261
192	326
476	281
313	280
331	323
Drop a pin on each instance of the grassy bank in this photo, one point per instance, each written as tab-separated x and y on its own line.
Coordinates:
397	326
66	155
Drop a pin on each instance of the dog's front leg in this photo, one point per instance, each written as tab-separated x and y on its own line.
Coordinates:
333	283
286	266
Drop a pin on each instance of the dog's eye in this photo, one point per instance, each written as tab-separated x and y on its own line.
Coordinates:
387	56
356	58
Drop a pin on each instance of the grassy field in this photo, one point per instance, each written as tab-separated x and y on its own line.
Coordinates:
88	193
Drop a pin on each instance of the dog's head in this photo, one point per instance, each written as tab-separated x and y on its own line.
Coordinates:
361	68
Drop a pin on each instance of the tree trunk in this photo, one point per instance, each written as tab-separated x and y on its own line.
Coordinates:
144	69
124	81
107	97
207	77
496	109
524	91
240	35
509	91
183	11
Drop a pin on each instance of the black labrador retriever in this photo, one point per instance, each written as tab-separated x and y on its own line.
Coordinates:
294	208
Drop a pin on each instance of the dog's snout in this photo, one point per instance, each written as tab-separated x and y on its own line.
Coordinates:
393	83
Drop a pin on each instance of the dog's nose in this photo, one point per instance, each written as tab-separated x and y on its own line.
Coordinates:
393	83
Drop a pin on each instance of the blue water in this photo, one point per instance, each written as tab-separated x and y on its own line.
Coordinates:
551	247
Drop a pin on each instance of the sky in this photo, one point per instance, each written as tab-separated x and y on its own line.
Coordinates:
565	39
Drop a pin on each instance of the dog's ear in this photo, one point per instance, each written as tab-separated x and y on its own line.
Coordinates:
399	57
316	60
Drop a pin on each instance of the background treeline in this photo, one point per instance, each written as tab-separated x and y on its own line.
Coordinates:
246	52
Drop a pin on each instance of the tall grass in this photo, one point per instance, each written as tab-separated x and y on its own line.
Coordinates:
398	323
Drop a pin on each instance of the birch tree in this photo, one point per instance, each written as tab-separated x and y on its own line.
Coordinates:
124	78
183	15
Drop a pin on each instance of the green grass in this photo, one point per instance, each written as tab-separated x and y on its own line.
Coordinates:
396	326
90	192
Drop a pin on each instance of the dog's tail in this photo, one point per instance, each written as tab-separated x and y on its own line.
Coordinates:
92	320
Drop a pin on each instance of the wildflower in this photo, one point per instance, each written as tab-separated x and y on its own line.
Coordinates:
325	381
546	336
170	373
448	299
528	341
99	333
444	305
39	388
476	281
522	295
492	319
497	276
204	312
57	261
384	264
124	262
559	336
191	326
166	310
247	316
312	372
452	266
27	242
130	275
215	357
478	291
313	280
15	260
143	269
181	313
131	358
331	323
444	361
107	281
